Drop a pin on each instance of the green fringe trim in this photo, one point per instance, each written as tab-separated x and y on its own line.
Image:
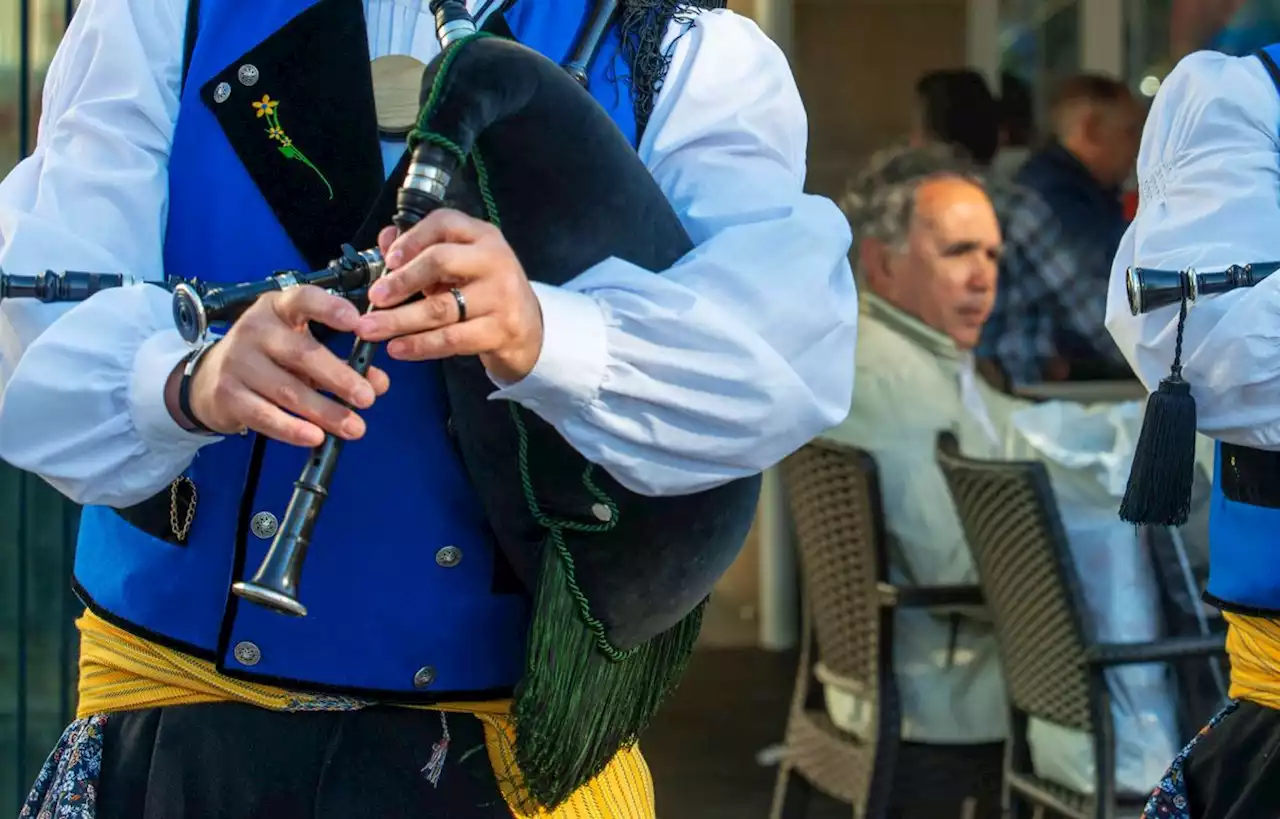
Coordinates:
582	699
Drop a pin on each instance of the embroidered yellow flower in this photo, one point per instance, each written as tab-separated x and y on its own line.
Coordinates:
266	107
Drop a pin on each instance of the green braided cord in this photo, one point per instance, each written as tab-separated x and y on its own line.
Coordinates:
556	527
437	90
422	132
444	142
482	178
482	173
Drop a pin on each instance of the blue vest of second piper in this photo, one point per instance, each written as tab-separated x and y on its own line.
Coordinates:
1244	514
400	577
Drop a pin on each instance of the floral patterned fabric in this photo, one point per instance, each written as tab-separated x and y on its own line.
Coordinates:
1169	799
68	783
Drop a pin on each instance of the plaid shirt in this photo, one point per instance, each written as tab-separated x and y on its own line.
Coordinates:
1042	294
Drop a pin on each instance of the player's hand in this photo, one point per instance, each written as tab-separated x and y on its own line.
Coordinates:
268	372
454	260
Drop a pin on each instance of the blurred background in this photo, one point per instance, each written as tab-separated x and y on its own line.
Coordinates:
856	63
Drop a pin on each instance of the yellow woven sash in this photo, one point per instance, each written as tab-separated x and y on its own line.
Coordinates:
121	672
1253	645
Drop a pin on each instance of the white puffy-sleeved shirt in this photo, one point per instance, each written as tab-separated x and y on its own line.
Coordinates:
1209	176
713	370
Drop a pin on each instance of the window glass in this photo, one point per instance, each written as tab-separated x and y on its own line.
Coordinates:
1161	32
29	34
10	40
1040	43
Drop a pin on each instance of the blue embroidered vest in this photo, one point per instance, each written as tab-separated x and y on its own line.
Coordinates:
405	591
1244	513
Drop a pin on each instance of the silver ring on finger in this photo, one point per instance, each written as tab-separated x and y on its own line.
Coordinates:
462	303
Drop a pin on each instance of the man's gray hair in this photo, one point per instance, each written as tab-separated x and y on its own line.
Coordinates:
880	200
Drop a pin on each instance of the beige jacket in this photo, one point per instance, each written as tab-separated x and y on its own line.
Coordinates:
911	383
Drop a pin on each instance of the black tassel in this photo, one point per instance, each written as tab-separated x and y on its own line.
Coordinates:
1164	463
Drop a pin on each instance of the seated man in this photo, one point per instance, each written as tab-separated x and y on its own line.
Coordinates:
929	248
1042	296
928	253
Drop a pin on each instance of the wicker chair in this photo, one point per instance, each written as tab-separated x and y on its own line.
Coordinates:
1202	683
846	642
1053	668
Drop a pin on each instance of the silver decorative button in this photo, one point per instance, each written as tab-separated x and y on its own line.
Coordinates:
246	653
264	525
425	676
602	512
449	556
248	74
222	93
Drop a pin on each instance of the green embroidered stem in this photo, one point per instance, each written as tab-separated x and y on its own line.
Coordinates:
266	107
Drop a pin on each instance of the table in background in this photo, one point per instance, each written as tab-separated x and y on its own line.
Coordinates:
1086	392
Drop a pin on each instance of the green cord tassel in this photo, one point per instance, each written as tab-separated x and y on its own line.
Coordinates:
576	707
581	699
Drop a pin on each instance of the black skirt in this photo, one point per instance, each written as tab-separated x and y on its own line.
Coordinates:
1233	772
236	761
1230	770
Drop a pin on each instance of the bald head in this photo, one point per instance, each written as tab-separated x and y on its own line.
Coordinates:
945	273
1098	120
946	197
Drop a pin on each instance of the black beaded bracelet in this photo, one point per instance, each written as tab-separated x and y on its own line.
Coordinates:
184	387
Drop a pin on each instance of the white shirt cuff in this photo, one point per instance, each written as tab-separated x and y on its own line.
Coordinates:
571	367
156	359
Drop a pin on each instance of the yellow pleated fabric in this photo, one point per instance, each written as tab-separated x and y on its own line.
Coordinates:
1253	645
121	672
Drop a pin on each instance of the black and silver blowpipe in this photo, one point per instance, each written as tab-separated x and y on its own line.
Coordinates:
195	311
579	62
1150	289
61	285
197	305
453	21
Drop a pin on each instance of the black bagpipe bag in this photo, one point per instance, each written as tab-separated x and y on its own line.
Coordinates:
619	580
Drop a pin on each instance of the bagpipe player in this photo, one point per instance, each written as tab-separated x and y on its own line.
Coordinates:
541	480
1209	200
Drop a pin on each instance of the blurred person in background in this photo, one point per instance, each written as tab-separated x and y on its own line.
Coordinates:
1080	173
927	255
955	106
1017	132
1041	297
